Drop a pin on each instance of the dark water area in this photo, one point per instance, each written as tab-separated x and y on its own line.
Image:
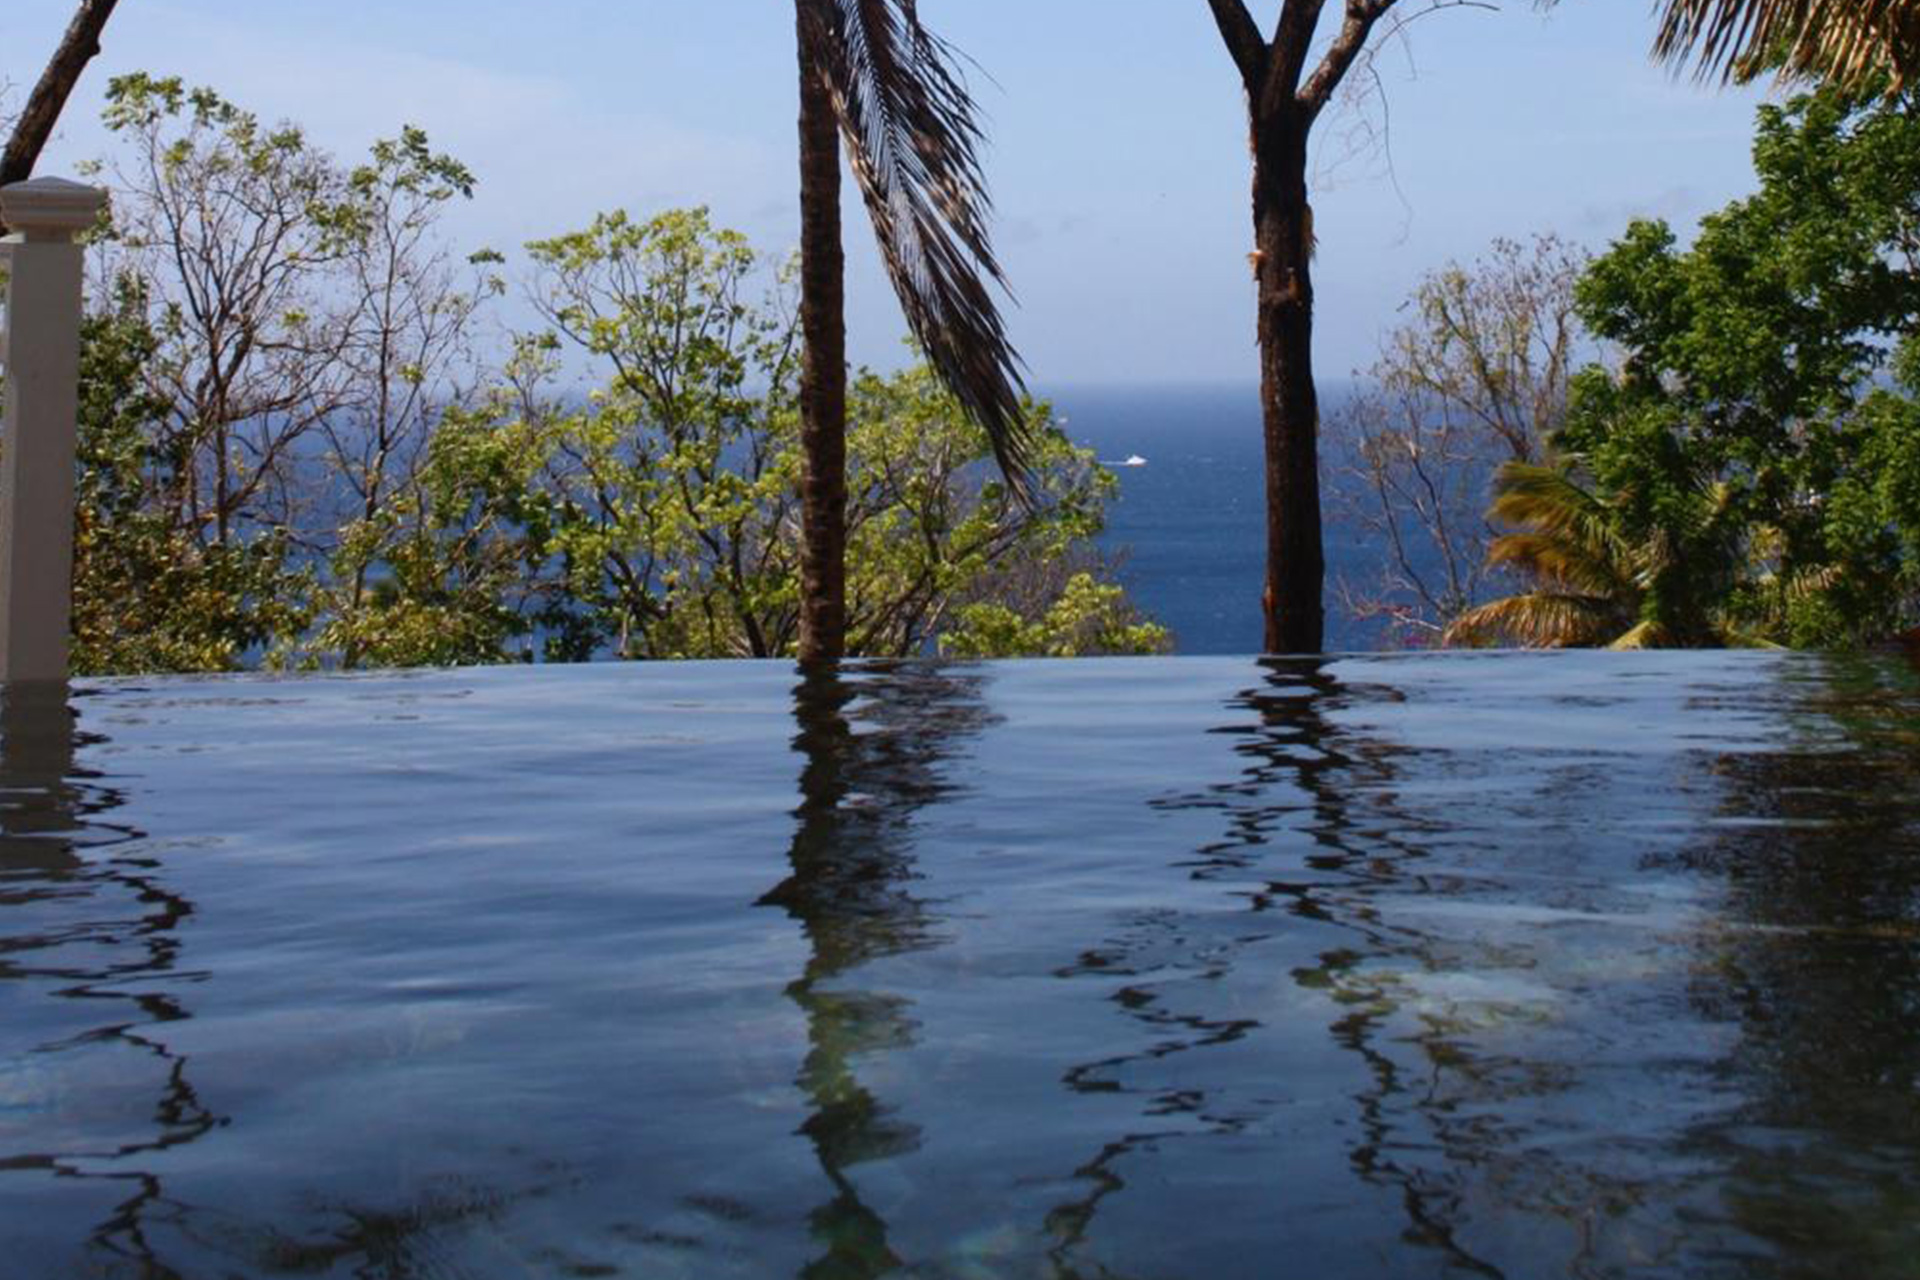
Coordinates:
1531	966
1190	525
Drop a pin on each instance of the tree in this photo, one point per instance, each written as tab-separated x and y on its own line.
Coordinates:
237	232
1476	377
148	595
1849	43
76	49
289	452
872	74
1284	99
1753	455
657	519
1608	575
407	354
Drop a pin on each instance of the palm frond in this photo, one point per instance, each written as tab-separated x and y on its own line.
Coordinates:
1644	635
1537	620
1850	42
913	143
1561	560
1549	500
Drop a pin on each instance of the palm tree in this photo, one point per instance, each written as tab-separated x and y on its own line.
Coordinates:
872	75
1600	583
1851	43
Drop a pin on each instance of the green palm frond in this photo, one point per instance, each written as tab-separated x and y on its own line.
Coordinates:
1560	560
913	144
1538	620
1549	500
1849	42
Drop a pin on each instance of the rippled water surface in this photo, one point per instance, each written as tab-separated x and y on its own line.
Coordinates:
1522	966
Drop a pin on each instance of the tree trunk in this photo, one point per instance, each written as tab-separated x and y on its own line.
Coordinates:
823	370
1283	244
77	49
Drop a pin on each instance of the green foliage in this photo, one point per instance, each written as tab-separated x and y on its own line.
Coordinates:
147	595
1089	617
284	458
1752	460
659	518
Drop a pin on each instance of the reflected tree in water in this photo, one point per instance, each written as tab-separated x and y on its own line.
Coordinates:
92	972
875	741
85	919
1814	963
1310	838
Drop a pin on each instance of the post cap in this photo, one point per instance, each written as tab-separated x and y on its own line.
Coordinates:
50	208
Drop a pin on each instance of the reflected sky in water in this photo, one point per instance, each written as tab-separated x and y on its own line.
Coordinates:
1467	965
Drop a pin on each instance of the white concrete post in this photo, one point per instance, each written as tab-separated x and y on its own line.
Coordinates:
42	355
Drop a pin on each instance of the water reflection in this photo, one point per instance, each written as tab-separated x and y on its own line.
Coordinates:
1815	962
876	742
1314	838
97	929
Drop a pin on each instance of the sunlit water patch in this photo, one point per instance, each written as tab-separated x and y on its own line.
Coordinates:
1583	965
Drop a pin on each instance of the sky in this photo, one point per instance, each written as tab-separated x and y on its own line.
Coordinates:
1117	157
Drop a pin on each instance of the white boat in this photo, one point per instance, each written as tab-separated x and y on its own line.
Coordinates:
1134	460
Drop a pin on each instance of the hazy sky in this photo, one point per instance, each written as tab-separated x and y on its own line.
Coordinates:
1118	158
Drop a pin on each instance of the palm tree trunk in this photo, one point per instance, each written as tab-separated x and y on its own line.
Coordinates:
1283	242
823	371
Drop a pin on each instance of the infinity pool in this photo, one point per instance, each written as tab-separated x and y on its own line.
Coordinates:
1525	966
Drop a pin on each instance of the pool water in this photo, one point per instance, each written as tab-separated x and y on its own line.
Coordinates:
1467	965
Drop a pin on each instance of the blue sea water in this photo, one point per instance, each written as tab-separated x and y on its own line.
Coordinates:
1190	525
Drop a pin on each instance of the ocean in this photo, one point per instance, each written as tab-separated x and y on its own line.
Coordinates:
1189	526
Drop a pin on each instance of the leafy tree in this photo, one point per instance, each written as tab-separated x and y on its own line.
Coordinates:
148	595
657	518
286	457
407	355
233	231
1090	617
1755	451
944	556
455	555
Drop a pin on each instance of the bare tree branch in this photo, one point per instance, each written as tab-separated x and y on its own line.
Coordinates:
1292	41
1340	56
1243	40
35	125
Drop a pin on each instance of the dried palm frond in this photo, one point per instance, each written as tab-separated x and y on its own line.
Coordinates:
1848	42
912	140
1644	635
